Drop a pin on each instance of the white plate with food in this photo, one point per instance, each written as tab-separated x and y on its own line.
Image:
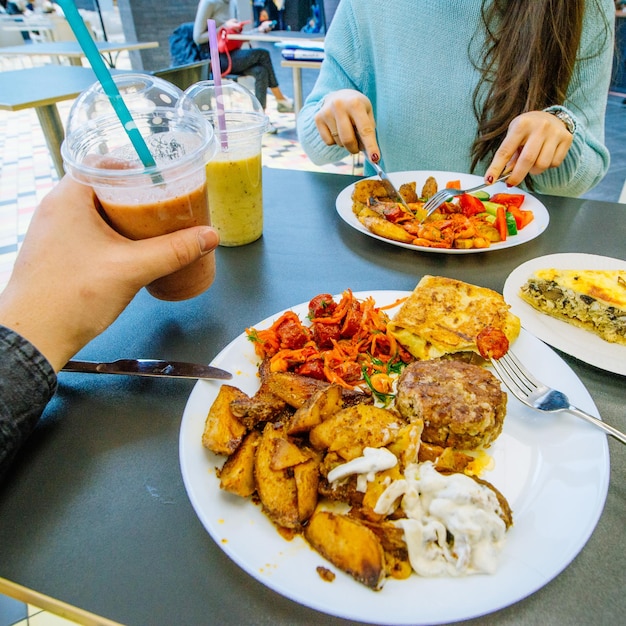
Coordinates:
532	230
554	471
572	340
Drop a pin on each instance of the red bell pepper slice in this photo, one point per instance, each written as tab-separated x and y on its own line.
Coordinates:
522	218
470	205
508	199
500	222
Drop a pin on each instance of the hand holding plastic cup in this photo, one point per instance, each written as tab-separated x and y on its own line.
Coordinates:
234	175
142	201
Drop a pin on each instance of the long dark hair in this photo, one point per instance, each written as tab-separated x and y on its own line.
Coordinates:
528	61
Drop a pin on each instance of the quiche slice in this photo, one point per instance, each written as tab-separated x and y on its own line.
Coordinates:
591	299
444	316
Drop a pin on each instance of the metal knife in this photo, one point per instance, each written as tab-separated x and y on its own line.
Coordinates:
389	186
148	367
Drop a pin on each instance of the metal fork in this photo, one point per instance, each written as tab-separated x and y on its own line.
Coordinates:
434	202
533	393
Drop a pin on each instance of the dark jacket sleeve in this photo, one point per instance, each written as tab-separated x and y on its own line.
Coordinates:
27	382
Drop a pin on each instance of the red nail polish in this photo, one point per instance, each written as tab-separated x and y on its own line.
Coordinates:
490	179
375	157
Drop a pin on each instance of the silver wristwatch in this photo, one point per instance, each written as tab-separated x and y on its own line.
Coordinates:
564	116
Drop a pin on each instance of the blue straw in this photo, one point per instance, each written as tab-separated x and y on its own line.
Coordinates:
106	80
217	81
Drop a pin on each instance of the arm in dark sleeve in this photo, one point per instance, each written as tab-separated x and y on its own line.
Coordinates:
27	382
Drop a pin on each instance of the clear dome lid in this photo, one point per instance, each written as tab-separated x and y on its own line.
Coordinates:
141	93
229	96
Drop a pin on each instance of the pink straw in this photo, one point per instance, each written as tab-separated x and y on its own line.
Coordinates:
217	81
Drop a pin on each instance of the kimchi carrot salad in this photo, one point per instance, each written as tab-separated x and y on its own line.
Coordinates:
347	343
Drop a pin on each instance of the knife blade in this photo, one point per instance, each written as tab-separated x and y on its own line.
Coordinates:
389	186
148	367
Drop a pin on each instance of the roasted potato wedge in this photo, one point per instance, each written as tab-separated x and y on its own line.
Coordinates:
409	192
263	406
223	431
349	545
362	210
307	478
430	188
292	388
287	454
366	189
381	227
322	404
350	430
237	474
396	552
276	489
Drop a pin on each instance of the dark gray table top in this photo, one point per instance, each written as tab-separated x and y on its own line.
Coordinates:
95	512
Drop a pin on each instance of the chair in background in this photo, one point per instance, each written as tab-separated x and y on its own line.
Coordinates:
185	75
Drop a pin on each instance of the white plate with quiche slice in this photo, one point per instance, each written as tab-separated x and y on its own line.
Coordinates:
553	470
572	340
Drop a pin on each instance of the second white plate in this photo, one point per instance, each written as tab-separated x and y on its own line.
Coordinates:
570	339
534	229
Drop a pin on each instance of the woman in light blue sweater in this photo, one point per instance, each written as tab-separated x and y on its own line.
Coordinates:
421	86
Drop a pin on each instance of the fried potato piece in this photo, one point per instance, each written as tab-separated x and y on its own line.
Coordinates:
349	545
381	227
350	430
307	478
263	406
430	188
292	388
322	404
363	210
396	552
237	474
287	454
276	489
296	390
409	192
366	189
223	431
407	444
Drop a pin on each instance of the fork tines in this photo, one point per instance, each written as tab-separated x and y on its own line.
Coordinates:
515	376
434	201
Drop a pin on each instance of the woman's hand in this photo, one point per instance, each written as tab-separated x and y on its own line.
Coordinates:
535	141
74	274
346	119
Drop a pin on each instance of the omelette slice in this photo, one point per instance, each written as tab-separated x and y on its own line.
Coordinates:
591	299
444	316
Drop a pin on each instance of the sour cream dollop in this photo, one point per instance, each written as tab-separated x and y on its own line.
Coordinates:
373	460
452	526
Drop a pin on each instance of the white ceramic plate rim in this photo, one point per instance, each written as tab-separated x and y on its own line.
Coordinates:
554	470
534	229
570	339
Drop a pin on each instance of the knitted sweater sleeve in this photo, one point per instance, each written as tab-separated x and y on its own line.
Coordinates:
338	71
27	382
587	161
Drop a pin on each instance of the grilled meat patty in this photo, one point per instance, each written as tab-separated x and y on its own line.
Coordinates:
462	405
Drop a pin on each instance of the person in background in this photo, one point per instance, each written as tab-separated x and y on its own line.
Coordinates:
254	62
258	6
487	87
265	23
46	318
277	11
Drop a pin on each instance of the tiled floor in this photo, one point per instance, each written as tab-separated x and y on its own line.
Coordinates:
27	174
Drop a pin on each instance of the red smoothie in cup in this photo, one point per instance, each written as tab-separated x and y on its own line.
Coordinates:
165	215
